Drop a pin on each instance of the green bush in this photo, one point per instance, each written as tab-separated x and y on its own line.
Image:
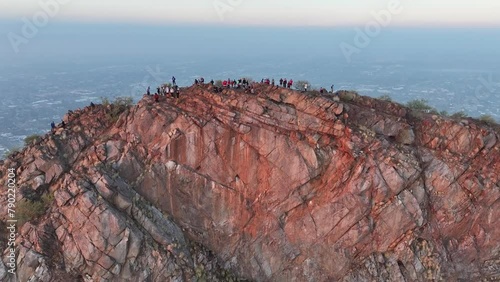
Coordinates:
11	151
299	85
123	101
105	101
119	105
420	105
459	115
347	96
29	139
487	119
27	210
385	98
218	83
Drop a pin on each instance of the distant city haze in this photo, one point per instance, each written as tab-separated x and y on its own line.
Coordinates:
269	13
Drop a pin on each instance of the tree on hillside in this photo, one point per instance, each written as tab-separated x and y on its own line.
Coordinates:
420	105
299	85
459	115
385	98
487	119
218	83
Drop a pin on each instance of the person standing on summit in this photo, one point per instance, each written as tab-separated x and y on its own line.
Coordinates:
173	80
176	91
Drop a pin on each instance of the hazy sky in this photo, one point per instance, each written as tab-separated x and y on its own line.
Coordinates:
265	12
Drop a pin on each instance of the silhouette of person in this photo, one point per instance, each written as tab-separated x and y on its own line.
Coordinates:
176	91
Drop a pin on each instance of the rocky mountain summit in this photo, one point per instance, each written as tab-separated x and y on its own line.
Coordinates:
273	186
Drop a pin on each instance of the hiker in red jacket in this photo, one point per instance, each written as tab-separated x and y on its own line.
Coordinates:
290	83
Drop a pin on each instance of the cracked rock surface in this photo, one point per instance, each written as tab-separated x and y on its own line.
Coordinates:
273	186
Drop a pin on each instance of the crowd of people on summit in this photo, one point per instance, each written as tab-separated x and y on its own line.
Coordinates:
165	89
243	83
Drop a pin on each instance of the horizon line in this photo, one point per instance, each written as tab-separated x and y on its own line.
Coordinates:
155	23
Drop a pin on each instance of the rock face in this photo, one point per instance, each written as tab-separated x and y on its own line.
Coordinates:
276	186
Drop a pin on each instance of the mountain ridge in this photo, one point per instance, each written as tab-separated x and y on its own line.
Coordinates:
278	185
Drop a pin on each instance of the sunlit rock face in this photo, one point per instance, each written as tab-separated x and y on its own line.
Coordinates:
273	186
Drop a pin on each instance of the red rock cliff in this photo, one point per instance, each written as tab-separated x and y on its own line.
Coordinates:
277	186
